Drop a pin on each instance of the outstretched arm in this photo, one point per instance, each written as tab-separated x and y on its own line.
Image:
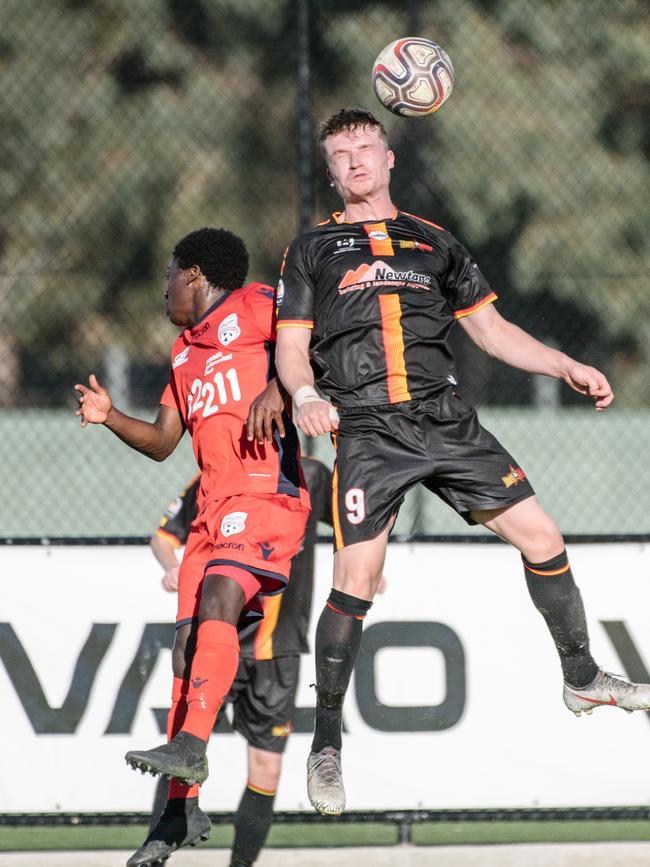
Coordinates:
156	440
313	415
503	340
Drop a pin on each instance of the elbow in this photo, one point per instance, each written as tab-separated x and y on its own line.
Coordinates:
159	455
162	446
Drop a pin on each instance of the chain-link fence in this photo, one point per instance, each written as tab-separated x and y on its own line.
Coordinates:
127	124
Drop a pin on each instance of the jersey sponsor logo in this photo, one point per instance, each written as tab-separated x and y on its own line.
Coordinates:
377	235
234	523
229	330
230	546
513	476
380	274
279	298
215	359
181	358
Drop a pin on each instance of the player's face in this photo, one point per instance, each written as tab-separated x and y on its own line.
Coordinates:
359	163
179	297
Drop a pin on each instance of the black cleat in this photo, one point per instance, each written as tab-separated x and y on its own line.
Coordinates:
176	828
183	758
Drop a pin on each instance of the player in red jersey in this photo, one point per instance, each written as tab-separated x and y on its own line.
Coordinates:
367	301
252	503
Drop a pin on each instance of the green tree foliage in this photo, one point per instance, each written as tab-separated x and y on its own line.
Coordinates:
127	124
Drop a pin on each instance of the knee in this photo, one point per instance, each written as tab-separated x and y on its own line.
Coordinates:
264	769
359	581
544	542
360	586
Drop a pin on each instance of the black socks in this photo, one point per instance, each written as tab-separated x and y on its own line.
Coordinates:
338	639
556	597
252	823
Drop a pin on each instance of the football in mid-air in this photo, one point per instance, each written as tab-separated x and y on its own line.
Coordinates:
413	77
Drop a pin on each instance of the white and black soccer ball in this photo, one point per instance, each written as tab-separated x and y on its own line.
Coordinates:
413	77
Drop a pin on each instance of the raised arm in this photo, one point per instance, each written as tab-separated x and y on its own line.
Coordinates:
313	415
503	340
157	440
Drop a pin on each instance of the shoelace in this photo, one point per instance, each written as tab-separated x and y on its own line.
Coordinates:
328	767
615	680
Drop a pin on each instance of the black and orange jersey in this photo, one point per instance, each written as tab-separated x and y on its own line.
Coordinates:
381	298
283	631
176	522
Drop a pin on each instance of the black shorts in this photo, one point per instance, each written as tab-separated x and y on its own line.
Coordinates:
263	700
382	452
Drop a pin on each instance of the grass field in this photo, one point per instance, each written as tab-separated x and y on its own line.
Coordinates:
328	835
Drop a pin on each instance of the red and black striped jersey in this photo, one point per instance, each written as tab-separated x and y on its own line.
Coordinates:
381	298
283	631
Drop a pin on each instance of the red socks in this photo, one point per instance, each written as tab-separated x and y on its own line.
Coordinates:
175	720
195	703
213	671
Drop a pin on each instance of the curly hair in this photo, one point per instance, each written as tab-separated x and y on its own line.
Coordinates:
221	256
347	119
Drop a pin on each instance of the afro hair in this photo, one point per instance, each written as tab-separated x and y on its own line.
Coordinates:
221	256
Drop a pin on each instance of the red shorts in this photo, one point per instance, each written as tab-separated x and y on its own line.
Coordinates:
250	538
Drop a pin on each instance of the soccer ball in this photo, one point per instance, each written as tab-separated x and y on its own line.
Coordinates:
413	77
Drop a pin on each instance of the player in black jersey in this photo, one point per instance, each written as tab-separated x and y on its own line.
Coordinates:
263	693
366	302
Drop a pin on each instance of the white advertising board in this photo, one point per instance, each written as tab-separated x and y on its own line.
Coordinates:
456	701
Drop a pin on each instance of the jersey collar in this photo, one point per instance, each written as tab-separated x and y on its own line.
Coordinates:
336	216
225	297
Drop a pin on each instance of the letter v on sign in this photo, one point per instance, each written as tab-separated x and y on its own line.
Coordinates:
47	720
635	668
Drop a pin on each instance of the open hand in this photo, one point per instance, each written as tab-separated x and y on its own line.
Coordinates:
94	401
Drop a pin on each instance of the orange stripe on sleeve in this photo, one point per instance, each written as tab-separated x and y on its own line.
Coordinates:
422	220
391	324
264	637
176	542
459	314
295	323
